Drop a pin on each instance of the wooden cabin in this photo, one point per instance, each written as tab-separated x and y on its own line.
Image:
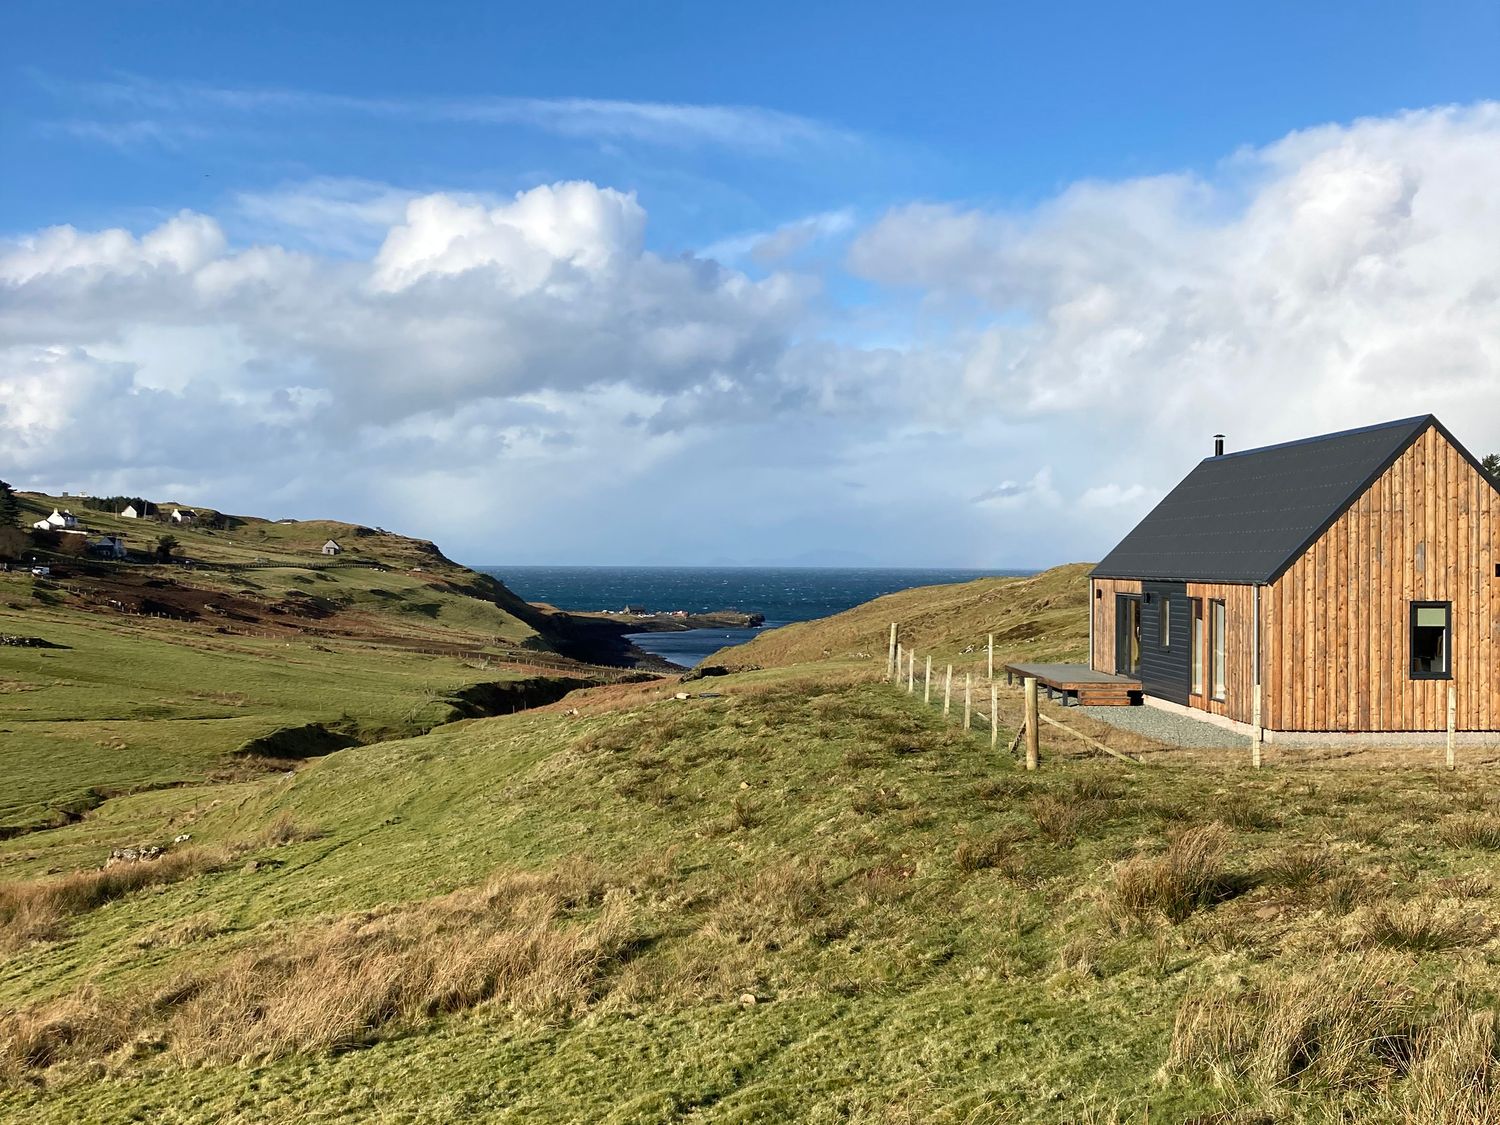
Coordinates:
1347	580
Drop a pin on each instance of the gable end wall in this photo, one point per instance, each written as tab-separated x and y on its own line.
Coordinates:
1334	625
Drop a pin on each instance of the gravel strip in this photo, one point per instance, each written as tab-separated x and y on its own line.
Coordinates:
1164	726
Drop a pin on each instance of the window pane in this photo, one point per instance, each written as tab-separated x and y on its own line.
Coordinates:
1220	650
1197	646
1166	623
1430	642
1432	615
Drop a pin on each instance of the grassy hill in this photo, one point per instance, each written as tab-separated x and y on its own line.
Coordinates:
800	896
1044	617
249	651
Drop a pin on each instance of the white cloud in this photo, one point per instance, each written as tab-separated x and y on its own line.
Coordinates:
527	370
178	107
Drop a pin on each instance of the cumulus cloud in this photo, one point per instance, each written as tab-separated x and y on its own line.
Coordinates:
1338	276
1003	387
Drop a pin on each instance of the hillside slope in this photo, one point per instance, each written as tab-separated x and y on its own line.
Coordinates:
248	650
1043	617
800	897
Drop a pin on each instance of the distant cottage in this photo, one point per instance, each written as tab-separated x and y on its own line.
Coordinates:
1346	581
184	516
130	513
108	547
332	548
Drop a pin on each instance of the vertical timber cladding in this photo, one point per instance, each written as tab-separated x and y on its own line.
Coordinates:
1239	657
1336	622
1102	606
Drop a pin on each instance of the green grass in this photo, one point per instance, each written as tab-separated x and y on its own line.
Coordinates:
808	841
1040	618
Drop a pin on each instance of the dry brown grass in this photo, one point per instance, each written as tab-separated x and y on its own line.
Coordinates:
1480	831
1356	1030
1422	927
1056	819
537	944
35	910
1188	876
979	855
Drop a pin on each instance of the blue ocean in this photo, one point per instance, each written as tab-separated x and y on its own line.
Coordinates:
781	594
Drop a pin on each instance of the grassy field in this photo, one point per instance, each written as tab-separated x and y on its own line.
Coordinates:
798	894
802	897
1044	617
160	675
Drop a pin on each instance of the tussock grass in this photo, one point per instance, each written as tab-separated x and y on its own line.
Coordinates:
1298	869
35	910
1056	818
1480	831
982	854
1188	876
1357	1033
1422	927
537	944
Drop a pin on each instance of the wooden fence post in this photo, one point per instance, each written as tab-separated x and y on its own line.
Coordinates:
1033	724
990	660
1257	734
927	682
900	663
1452	724
948	692
911	671
968	700
890	655
994	715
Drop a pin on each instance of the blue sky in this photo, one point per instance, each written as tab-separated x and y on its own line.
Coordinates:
870	276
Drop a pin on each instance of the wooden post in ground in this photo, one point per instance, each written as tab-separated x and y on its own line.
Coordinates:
948	692
968	700
1257	734
1452	717
927	683
1033	727
994	715
890	655
990	659
911	671
900	663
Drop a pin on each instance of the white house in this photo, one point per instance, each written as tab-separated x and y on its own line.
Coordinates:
184	515
62	520
43	525
130	513
332	548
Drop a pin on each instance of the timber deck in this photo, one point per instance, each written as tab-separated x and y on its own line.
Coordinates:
1079	684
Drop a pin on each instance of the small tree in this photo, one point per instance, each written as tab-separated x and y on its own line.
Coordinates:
1491	464
165	546
10	507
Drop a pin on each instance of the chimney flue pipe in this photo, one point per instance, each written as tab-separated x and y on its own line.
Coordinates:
1218	445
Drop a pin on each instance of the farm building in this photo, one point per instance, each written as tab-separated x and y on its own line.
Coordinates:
131	512
1348	581
332	548
184	516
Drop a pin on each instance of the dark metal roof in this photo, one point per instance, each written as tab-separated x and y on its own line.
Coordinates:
1246	517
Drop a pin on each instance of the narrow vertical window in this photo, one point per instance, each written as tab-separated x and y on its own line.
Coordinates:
1197	645
1431	640
1164	627
1221	648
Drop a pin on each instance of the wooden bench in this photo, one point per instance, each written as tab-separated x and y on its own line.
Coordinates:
1078	685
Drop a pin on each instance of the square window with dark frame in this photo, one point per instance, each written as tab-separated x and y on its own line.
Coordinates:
1431	640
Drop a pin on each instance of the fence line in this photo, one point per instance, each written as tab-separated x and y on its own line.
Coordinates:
901	662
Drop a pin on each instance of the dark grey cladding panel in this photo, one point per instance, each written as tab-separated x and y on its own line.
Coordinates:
1245	517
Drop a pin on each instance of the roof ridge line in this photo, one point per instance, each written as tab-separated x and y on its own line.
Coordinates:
1325	437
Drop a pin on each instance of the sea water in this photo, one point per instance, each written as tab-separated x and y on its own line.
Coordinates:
781	594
